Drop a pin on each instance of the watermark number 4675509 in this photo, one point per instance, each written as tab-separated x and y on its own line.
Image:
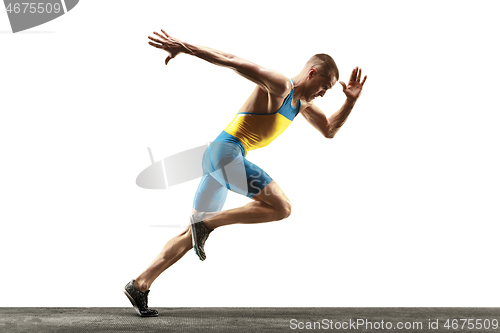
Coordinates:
25	14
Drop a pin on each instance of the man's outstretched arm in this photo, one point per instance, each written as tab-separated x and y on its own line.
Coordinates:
330	126
268	80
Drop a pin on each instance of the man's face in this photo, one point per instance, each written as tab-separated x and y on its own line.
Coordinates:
319	85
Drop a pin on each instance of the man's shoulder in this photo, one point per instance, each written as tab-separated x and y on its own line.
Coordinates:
276	84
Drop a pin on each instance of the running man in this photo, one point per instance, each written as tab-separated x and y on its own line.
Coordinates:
268	111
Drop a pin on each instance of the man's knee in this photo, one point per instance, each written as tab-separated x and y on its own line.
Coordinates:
284	210
185	238
186	233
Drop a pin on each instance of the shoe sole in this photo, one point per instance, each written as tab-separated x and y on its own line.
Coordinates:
134	304
193	238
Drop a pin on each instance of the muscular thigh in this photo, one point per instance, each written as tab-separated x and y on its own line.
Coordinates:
256	178
226	163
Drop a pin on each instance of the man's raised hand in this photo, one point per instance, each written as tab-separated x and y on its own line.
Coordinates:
172	45
353	89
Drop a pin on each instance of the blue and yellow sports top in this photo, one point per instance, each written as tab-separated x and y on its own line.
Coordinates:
257	130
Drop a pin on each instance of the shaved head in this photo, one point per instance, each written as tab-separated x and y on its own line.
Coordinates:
324	64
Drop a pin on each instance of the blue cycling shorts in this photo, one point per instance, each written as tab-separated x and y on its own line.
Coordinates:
225	168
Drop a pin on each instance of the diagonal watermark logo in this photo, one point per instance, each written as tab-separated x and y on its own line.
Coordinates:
27	14
173	170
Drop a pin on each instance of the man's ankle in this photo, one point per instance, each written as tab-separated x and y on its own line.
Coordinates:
140	286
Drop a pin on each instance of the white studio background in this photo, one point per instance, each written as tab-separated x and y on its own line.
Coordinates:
400	209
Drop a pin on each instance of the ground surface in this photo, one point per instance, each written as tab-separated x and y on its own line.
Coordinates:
41	320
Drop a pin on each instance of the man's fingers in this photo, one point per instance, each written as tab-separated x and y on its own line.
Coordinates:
165	33
155	40
344	87
358	76
161	36
155	45
362	83
353	74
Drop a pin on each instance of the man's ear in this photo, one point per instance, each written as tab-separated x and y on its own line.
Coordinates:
312	72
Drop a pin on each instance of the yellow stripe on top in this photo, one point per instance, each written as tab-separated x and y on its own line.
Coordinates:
256	130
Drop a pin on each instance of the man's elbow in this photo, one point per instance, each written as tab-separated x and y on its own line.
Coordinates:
329	135
330	132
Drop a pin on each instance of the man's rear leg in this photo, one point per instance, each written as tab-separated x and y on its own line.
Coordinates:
175	249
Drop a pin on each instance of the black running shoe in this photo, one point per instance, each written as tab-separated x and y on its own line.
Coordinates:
199	233
139	300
